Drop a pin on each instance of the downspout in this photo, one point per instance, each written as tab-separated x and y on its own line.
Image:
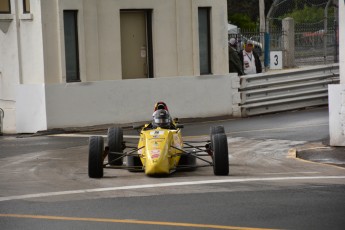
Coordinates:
19	43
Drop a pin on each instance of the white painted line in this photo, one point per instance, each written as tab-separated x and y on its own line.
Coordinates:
277	129
286	173
132	187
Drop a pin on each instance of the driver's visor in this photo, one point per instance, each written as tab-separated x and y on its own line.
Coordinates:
161	121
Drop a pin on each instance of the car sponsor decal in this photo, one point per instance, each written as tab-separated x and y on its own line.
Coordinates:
155	143
155	153
177	141
156	133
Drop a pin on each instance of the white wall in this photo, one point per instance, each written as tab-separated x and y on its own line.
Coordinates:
31	108
32	54
120	101
175	37
336	98
9	67
336	106
342	40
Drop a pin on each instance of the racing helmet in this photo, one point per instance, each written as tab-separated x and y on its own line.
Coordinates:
161	118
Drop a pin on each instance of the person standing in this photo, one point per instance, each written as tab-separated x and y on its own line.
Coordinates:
235	64
250	59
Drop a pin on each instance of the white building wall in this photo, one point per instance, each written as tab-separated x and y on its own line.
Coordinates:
342	40
9	67
337	92
32	54
117	101
30	44
103	102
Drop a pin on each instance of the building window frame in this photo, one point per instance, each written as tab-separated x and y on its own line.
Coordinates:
71	45
6	9
205	51
26	7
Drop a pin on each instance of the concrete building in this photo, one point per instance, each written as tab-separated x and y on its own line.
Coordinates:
337	92
73	63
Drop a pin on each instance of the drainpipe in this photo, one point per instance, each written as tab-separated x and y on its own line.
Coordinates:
2	115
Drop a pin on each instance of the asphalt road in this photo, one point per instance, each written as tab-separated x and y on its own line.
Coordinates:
44	183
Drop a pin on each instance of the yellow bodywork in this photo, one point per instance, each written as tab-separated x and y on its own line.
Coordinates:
157	152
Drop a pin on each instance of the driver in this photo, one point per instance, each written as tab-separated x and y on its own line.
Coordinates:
161	118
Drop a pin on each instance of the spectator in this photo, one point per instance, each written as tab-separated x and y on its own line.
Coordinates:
235	64
250	59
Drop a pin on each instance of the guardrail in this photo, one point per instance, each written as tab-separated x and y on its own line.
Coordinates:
268	93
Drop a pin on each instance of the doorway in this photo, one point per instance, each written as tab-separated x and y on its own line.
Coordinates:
136	44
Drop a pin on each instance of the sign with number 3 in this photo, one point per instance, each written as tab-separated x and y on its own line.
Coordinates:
276	60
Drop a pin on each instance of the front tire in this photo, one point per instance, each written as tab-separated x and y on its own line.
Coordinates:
96	148
220	154
115	143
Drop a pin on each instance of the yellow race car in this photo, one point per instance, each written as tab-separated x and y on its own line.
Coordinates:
160	150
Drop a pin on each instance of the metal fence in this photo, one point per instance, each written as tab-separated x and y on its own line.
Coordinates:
268	93
315	43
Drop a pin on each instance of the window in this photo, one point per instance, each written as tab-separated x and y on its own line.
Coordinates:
71	45
5	7
204	40
26	6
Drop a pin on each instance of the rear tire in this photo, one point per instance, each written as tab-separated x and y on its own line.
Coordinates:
217	129
115	143
220	154
96	148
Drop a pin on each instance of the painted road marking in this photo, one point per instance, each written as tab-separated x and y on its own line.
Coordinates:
281	128
126	221
132	187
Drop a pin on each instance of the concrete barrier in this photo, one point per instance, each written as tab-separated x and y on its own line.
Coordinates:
42	107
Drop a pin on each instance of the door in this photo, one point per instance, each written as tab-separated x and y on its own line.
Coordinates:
134	47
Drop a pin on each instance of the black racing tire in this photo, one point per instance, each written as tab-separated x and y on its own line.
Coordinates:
134	161
96	148
217	129
115	143
219	144
187	160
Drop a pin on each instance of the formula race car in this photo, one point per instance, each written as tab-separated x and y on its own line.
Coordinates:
160	150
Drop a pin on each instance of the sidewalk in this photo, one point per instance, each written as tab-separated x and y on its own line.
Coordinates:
322	152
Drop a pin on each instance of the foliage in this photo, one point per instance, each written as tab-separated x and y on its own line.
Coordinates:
245	14
309	14
242	21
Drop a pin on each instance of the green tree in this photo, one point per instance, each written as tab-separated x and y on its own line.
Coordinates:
309	14
245	14
242	21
